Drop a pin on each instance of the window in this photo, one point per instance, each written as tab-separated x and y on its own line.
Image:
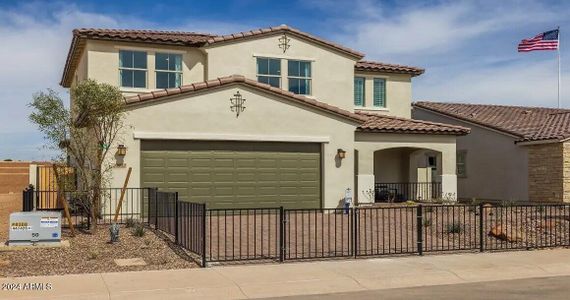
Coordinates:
132	69
269	71
461	162
379	92
359	91
168	70
299	75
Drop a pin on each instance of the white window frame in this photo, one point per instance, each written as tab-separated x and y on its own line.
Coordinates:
133	69
363	92
280	76
310	79
156	71
385	92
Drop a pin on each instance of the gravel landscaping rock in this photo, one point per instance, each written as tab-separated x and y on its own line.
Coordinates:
92	253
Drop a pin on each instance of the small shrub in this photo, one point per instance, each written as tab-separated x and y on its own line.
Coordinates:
427	222
130	223
138	230
410	203
454	228
93	254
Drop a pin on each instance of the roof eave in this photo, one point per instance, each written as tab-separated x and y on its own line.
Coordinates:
352	53
478	124
425	132
412	73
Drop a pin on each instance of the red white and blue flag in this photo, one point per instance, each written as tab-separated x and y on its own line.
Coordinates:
544	41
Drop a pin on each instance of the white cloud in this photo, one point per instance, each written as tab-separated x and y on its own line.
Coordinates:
532	83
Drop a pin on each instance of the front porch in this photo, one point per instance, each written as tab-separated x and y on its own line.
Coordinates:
404	167
406	173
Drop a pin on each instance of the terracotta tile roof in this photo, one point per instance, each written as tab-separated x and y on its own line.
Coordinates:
190	88
283	29
192	39
149	36
372	66
390	124
526	123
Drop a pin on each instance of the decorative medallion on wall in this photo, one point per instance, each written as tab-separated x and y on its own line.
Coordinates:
237	103
284	43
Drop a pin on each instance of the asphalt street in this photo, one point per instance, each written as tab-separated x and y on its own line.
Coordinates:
521	289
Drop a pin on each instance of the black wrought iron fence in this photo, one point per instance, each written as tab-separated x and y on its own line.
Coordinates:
317	233
132	205
225	235
243	234
404	191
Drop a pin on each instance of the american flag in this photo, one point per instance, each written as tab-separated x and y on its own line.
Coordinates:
544	41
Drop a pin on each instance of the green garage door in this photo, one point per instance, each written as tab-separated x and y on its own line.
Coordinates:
235	174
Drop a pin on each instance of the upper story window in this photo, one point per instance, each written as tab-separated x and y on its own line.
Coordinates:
359	91
269	71
132	68
299	75
379	92
168	70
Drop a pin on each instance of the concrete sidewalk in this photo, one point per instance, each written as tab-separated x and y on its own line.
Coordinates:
289	279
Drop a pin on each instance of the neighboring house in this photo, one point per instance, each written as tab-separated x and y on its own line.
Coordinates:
513	153
264	118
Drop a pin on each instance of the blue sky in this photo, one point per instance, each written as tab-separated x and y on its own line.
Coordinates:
467	47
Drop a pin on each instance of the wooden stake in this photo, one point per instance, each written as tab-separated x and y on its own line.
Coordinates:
122	195
61	195
68	215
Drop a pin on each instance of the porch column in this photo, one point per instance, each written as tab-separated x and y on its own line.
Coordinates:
449	177
365	190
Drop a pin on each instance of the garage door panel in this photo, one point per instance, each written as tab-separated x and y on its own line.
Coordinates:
235	175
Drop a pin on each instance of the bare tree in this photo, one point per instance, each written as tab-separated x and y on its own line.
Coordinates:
83	134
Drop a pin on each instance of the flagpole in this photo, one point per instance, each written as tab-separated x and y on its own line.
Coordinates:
559	79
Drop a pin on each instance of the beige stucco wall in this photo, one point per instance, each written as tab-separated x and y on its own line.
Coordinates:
368	143
497	168
103	62
398	94
392	165
266	117
332	72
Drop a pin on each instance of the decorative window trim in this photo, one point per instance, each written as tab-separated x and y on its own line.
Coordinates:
149	50
301	58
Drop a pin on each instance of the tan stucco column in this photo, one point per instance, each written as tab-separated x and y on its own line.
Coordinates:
448	174
365	189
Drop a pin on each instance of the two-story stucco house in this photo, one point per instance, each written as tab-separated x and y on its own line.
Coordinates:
265	118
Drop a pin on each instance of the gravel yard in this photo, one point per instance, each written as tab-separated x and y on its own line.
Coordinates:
93	254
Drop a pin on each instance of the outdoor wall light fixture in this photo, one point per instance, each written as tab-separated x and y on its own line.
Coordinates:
121	151
340	153
120	155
